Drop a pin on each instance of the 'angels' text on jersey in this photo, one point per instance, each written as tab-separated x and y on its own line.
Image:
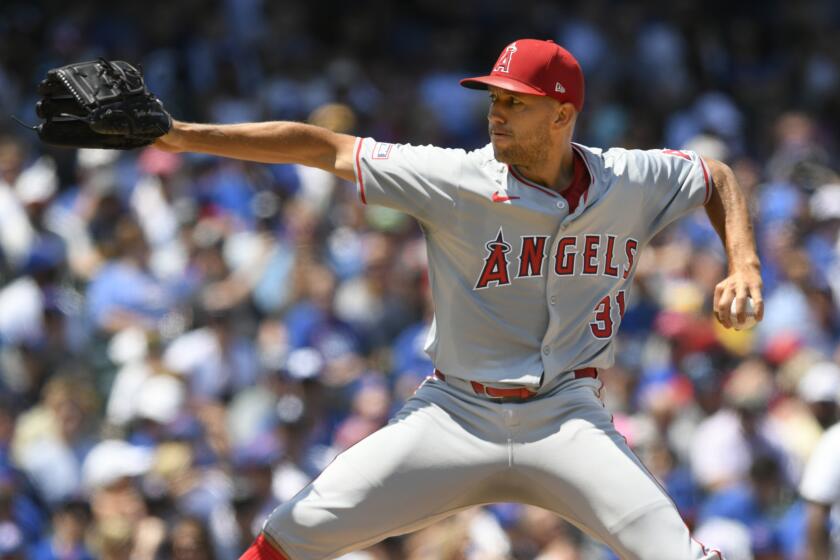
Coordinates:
575	255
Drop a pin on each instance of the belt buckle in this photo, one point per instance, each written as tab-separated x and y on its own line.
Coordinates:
517	394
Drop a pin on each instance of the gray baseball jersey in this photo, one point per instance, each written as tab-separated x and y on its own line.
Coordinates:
524	285
525	281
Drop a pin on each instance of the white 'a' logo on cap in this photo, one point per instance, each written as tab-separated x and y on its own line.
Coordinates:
503	64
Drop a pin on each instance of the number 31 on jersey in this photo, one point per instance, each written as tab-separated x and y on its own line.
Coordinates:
603	326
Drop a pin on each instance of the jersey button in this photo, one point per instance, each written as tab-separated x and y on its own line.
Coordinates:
553	300
561	204
546	350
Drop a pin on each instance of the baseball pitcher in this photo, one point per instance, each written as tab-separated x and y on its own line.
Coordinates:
533	243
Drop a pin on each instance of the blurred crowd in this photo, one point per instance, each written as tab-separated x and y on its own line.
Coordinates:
186	341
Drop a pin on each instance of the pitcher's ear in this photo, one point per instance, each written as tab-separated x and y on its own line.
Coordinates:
565	114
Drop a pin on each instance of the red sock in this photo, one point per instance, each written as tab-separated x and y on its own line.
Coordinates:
262	550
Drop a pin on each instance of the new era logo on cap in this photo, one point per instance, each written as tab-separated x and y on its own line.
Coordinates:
538	68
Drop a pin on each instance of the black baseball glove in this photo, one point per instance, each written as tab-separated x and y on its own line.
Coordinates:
99	104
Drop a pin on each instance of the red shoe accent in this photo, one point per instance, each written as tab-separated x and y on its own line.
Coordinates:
262	550
587	372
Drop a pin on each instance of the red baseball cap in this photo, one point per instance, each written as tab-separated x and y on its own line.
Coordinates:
536	67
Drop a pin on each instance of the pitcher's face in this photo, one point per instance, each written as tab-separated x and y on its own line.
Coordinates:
519	126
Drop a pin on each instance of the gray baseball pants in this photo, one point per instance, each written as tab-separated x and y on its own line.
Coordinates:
448	449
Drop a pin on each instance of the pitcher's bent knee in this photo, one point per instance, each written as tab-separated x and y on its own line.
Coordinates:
660	534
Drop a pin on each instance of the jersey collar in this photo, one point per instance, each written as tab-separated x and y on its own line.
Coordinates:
579	188
519	177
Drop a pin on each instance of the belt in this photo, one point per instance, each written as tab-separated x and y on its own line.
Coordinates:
515	392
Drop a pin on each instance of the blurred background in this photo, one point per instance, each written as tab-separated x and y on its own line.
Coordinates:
186	341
